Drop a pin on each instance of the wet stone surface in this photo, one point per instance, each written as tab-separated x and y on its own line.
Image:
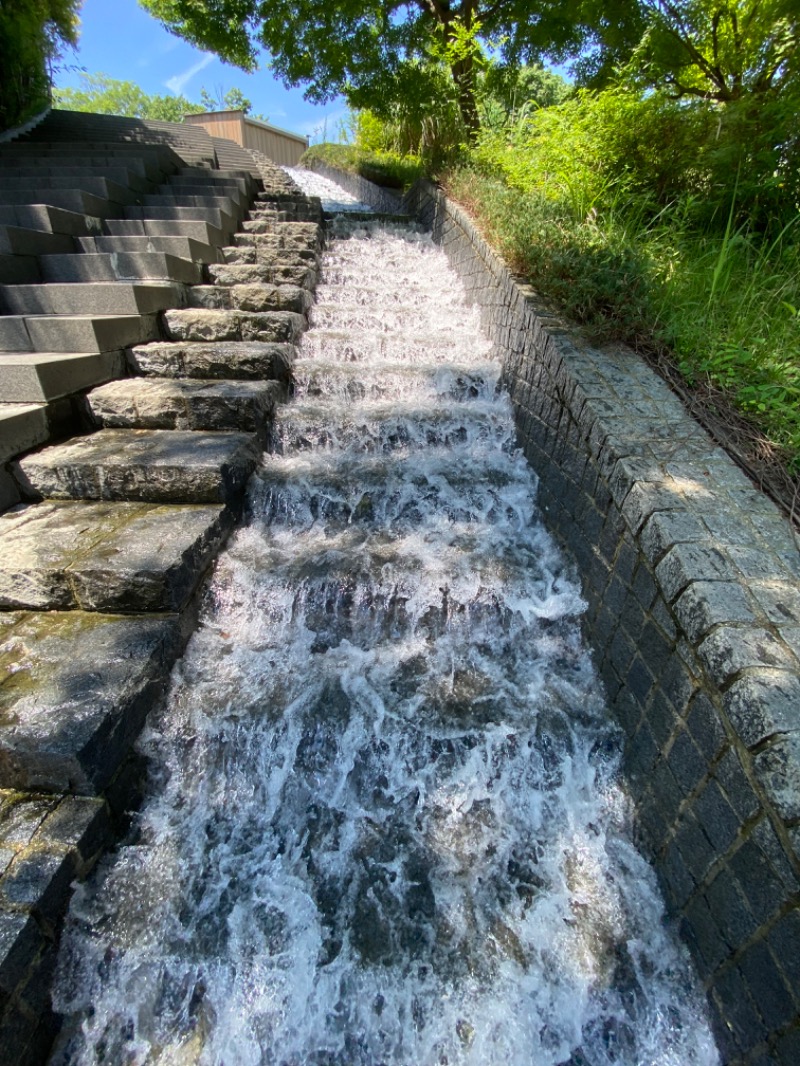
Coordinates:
75	690
107	557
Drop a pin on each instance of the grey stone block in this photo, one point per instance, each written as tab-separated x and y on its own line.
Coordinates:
78	687
763	889
246	361
767	989
107	557
89	333
156	466
119	266
778	770
731	910
705	604
186	404
21	941
687	563
728	651
39	881
38	377
763	703
719	820
22	425
99	298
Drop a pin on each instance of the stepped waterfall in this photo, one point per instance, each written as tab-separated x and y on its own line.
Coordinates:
384	821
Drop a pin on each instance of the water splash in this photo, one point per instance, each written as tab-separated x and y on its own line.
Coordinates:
385	823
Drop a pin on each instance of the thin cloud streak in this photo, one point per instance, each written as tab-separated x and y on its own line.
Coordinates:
178	82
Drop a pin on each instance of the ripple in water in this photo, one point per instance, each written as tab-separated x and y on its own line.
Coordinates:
384	823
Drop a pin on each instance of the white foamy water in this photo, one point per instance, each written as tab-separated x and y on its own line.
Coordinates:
384	822
333	196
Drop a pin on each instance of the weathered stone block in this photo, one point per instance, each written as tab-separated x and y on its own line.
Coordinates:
74	692
778	770
107	556
149	465
229	360
704	604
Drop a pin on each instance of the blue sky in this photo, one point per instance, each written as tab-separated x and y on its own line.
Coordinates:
120	39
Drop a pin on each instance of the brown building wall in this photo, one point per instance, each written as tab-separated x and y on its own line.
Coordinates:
280	145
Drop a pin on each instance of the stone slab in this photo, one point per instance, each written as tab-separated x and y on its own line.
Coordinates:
183	247
119	266
104	298
75	689
197	324
239	360
37	377
117	557
22	426
154	466
164	403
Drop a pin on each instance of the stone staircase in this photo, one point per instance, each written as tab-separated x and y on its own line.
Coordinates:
156	333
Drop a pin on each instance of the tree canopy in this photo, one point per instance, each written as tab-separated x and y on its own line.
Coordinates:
32	32
373	50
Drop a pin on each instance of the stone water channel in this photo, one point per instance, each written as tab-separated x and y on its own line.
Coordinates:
385	823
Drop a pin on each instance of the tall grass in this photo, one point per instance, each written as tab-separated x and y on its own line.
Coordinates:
726	305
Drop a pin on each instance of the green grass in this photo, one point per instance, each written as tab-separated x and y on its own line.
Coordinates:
726	307
383	168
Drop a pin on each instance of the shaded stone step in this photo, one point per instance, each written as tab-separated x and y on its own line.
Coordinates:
75	689
16	240
119	557
76	174
156	466
182	247
70	199
104	298
197	324
90	183
119	266
261	297
244	361
167	403
37	377
218	219
18	270
210	202
75	333
197	230
49	219
144	164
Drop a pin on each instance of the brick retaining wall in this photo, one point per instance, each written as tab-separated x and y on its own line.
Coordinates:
692	578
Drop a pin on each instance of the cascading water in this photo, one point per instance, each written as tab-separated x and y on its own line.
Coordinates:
384	822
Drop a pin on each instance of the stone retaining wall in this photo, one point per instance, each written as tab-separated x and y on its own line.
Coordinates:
692	579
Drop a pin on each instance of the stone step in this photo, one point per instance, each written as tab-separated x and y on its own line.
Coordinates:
38	377
210	202
249	273
102	187
75	333
49	219
231	360
213	216
77	174
19	270
79	687
182	247
197	184
119	557
168	403
155	466
144	165
226	274
260	297
16	240
119	266
103	298
69	199
278	240
197	230
197	324
248	250
22	426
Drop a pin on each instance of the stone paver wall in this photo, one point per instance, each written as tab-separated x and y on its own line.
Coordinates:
692	581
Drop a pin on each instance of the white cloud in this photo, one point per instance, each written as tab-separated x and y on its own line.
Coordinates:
178	82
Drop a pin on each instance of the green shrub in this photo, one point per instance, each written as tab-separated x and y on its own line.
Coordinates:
31	33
